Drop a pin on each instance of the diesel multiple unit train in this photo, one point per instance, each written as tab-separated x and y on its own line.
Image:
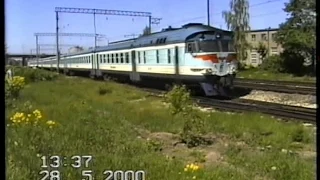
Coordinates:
194	54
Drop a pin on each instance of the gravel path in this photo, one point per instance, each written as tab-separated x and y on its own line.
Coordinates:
283	98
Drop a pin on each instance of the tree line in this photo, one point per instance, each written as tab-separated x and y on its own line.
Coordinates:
297	36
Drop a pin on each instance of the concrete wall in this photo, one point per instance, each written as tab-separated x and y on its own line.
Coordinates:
266	36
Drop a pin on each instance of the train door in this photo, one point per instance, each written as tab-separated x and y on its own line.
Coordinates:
93	65
176	62
65	62
134	75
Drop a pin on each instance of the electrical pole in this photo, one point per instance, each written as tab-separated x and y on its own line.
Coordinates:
57	34
268	53
95	31
37	50
150	24
154	21
57	40
208	12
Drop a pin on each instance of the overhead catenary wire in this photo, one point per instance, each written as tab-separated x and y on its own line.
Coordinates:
201	17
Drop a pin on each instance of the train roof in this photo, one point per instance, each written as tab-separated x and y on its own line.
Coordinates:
166	36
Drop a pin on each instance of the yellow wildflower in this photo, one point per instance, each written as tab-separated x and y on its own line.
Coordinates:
51	122
191	167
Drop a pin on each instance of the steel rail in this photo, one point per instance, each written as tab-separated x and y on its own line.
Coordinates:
240	105
277	86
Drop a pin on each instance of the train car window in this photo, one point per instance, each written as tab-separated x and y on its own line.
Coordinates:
104	58
138	57
127	57
108	58
157	56
89	59
189	47
112	58
164	40
144	57
121	57
117	58
169	56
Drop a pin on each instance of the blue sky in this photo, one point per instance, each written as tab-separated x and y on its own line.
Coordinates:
24	18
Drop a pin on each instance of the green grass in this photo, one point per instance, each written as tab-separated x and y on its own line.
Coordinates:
110	122
255	73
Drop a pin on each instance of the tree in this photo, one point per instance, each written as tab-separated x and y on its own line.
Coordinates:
79	48
298	34
237	20
262	50
76	49
146	31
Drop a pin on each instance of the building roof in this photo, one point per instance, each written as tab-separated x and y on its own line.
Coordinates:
264	30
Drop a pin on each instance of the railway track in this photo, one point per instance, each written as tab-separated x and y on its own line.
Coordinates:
240	105
277	86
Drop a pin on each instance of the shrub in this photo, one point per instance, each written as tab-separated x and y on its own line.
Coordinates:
293	63
103	91
14	86
193	127
30	133
299	135
27	116
273	63
34	75
178	99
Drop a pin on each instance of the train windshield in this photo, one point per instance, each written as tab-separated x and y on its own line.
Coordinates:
215	46
211	44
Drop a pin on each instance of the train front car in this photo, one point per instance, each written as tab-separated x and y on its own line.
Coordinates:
212	54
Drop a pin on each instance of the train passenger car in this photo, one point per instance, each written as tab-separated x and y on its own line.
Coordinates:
194	54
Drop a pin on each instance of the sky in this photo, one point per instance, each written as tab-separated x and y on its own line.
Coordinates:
24	18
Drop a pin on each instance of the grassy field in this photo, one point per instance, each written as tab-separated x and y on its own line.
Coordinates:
125	129
260	74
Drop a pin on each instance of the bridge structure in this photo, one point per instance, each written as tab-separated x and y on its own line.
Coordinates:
25	57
